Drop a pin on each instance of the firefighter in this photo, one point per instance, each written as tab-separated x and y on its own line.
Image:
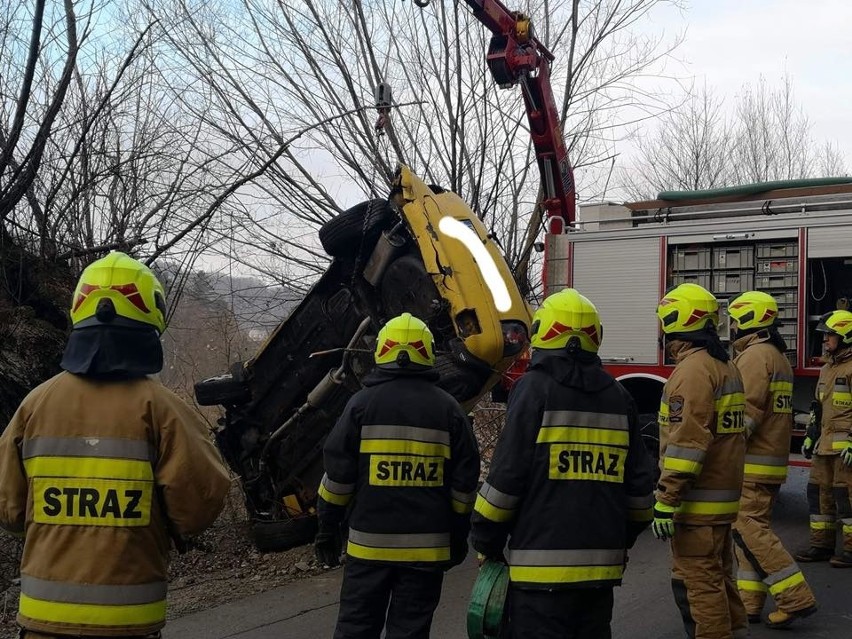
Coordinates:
702	450
830	480
101	464
764	565
405	451
570	485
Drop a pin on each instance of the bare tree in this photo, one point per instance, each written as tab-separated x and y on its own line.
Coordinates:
255	73
687	150
698	146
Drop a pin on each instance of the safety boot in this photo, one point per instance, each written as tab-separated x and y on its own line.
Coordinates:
843	560
781	619
814	553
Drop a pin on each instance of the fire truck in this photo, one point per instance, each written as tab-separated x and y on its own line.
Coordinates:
790	239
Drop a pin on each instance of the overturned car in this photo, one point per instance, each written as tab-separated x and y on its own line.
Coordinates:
421	251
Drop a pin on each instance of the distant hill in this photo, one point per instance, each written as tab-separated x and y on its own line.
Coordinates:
258	306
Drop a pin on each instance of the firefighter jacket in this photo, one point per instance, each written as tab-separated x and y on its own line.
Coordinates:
405	451
702	441
833	392
570	484
96	475
768	383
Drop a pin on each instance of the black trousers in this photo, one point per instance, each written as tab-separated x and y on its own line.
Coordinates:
399	599
576	613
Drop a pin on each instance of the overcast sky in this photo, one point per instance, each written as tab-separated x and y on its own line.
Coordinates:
731	43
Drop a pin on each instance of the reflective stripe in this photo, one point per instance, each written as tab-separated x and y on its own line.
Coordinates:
578	434
88	457
731	386
494	504
334	492
785	584
751	581
564	574
405	447
91	614
337	487
89	468
766	460
840	441
399	547
462	502
399	540
101	447
565	557
584	419
767	465
684	460
780	575
65	592
710	502
822	522
413	433
492	512
751	586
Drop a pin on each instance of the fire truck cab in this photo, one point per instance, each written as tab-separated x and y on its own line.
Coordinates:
792	240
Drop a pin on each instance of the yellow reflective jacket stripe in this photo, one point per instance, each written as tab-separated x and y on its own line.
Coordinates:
462	502
564	565
405	447
578	434
496	505
94	605
335	492
684	460
417	547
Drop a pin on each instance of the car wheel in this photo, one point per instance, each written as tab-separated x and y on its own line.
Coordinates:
356	228
272	536
461	382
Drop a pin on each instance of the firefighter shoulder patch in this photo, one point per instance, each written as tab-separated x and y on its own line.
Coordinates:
675	409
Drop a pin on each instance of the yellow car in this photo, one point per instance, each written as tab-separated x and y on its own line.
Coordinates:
421	251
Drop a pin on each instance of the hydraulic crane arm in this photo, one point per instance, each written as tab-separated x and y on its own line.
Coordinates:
515	56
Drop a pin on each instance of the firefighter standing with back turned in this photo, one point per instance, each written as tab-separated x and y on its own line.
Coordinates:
830	481
570	483
702	449
764	565
404	450
100	465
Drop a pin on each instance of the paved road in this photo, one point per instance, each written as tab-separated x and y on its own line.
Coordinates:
644	608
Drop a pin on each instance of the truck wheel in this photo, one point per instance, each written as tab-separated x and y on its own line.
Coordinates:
356	228
461	382
225	390
272	536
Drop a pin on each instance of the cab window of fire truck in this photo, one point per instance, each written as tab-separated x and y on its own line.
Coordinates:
828	287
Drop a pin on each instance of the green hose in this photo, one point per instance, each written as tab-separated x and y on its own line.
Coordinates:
485	612
752	189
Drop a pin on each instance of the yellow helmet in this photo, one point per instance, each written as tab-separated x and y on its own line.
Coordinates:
117	286
837	323
688	308
753	309
405	339
565	315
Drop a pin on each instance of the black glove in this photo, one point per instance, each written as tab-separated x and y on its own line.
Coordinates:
328	544
458	550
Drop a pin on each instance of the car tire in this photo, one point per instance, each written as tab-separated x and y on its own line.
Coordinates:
225	390
272	536
356	228
461	382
